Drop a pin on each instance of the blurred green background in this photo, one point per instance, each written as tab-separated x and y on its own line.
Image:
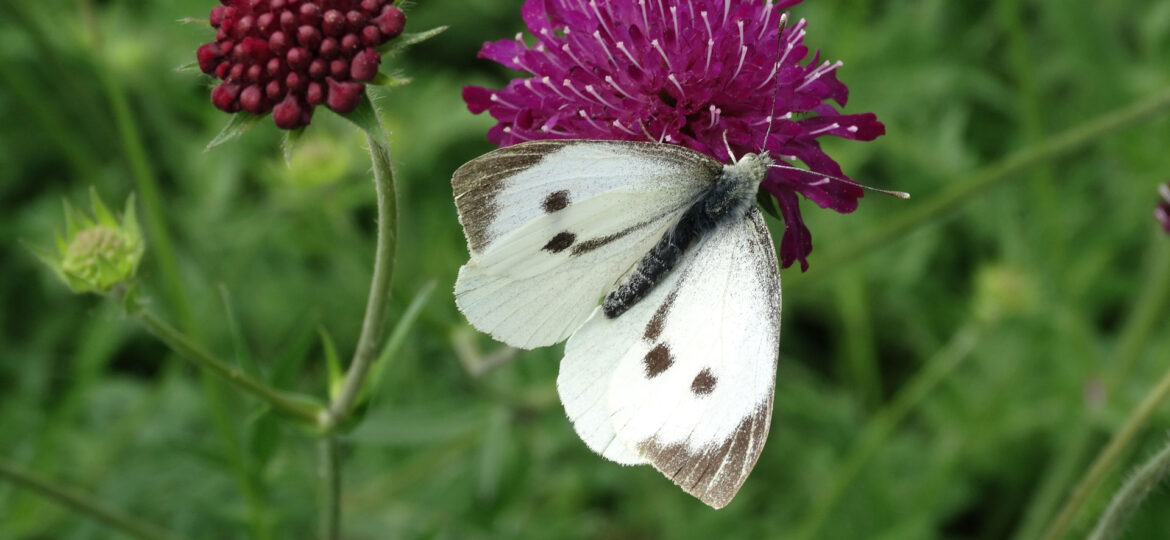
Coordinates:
952	380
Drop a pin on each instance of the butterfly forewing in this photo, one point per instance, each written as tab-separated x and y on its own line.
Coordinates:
684	379
553	225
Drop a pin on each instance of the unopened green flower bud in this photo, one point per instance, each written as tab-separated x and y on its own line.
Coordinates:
1002	291
96	252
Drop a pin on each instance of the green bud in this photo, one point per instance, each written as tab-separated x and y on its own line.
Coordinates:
1003	291
96	252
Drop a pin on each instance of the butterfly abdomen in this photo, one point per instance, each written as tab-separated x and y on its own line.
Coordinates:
725	201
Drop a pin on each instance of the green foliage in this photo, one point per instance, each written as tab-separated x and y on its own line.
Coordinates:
1032	283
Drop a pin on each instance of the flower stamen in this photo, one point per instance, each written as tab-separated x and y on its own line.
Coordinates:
681	93
767	19
742	55
661	51
604	47
818	72
768	79
825	129
612	83
618	124
622	46
548	82
589	88
581	113
600	19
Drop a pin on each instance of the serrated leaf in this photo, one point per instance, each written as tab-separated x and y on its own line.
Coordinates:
394	342
288	143
239	123
768	204
365	117
408	39
332	363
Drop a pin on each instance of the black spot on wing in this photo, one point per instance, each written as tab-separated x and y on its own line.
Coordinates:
704	383
654	327
560	242
477	183
555	201
657	360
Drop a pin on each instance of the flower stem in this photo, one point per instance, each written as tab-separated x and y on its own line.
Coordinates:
964	190
1144	318
1130	496
329	474
83	504
295	406
371	336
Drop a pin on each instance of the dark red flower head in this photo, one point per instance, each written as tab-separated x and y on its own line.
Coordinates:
288	56
686	73
1162	210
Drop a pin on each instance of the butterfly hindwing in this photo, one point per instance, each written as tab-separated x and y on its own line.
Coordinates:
553	225
684	379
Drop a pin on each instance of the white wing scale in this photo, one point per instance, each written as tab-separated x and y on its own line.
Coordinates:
684	379
553	225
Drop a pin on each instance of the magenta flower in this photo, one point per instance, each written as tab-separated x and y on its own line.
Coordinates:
288	56
1162	210
685	73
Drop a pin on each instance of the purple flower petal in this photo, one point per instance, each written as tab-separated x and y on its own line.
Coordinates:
684	73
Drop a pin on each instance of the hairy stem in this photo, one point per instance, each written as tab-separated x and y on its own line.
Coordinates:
372	325
84	504
329	474
1130	496
1142	322
295	406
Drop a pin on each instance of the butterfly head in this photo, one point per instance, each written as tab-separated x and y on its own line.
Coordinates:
753	167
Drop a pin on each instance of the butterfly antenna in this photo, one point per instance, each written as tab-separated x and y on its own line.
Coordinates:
826	177
728	147
776	73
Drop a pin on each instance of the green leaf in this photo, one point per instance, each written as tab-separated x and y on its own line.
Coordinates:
47	257
768	204
72	227
408	39
189	67
130	218
239	123
332	363
288	363
264	435
389	81
103	214
397	337
243	354
365	117
288	143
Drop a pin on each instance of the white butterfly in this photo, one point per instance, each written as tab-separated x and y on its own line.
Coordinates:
676	368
